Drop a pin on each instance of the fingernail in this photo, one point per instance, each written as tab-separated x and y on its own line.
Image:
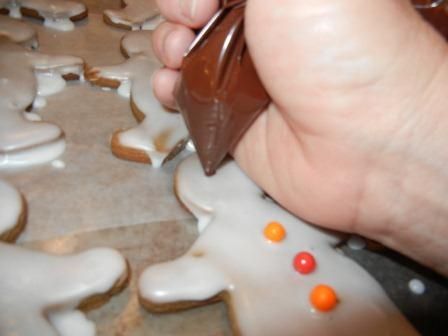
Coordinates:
188	8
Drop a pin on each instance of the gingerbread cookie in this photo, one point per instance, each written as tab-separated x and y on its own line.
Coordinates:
42	294
24	142
138	42
134	15
278	274
56	14
12	212
18	32
161	133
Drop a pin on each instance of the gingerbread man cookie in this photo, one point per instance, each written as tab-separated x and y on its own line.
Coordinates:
42	294
27	75
56	14
161	133
278	274
134	15
18	32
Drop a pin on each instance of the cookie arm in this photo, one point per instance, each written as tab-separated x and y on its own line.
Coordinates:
97	269
189	278
60	63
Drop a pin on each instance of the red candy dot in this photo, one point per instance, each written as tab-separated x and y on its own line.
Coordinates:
304	263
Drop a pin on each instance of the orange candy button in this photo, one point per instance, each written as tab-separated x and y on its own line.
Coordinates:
323	298
275	232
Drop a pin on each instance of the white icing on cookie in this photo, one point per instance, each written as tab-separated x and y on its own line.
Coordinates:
132	44
39	102
18	32
138	42
24	142
56	13
32	116
39	293
265	293
49	83
13	7
62	24
163	124
58	164
137	14
161	130
11	207
124	89
72	323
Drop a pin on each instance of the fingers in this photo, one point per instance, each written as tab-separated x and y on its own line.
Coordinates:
163	82
191	13
170	41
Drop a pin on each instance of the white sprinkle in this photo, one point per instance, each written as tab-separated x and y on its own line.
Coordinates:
356	243
124	89
58	164
416	286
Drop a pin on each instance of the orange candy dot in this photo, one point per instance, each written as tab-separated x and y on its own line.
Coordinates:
323	298
275	232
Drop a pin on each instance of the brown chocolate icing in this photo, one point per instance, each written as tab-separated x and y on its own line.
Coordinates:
220	93
436	12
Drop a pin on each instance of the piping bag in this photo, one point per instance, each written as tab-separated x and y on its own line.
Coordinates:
219	93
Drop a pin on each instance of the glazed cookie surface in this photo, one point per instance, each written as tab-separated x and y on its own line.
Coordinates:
18	32
279	275
135	15
29	75
40	294
161	133
57	14
138	42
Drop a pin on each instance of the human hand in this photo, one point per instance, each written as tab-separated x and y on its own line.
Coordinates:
354	137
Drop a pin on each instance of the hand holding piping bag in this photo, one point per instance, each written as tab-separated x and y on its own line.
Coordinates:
354	137
219	93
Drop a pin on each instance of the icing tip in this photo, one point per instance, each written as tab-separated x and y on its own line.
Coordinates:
209	170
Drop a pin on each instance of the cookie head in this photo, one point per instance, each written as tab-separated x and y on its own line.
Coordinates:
202	195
